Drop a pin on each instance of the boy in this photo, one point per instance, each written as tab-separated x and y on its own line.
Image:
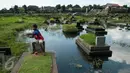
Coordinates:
40	40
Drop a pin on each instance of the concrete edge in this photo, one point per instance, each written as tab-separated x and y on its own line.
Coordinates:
19	63
54	64
85	48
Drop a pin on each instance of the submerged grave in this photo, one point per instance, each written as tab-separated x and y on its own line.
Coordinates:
70	28
93	43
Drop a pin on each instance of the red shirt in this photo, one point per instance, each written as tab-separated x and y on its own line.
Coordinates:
37	35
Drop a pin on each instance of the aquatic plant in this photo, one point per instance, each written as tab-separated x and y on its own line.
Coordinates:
97	63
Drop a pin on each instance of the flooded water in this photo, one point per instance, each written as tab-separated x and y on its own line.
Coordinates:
70	59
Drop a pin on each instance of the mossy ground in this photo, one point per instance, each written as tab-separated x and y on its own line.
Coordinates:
89	38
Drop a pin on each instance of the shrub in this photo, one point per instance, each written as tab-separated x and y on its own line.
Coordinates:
89	38
52	20
71	28
81	21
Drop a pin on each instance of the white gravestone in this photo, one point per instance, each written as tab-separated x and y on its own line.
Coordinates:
100	41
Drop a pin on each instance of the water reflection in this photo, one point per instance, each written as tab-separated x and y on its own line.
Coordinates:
95	61
71	35
119	41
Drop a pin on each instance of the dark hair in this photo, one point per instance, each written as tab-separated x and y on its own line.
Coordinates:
35	25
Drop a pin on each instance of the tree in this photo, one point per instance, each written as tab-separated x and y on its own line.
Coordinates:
42	9
63	8
33	8
25	8
129	9
90	7
76	6
69	6
58	6
4	10
16	10
21	10
95	6
84	8
125	6
11	10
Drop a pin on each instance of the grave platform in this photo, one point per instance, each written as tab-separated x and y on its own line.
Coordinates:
92	50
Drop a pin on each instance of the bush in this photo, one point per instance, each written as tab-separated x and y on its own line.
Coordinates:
89	38
52	20
71	28
81	21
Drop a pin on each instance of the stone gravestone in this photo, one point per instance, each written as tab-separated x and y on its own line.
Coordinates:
100	41
5	52
2	57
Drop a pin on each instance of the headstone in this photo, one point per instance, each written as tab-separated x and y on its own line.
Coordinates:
100	41
7	50
2	56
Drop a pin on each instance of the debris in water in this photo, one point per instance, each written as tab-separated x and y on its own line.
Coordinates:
79	66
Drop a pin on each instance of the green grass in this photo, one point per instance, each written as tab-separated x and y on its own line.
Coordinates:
89	38
78	18
70	28
36	64
95	26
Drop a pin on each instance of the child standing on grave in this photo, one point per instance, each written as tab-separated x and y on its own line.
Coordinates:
39	39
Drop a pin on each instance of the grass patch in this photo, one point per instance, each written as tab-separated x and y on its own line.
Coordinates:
36	64
95	26
89	38
71	28
83	18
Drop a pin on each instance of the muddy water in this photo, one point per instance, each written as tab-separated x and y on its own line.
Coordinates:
70	59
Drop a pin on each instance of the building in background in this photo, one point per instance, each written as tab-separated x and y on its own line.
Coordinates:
49	9
115	8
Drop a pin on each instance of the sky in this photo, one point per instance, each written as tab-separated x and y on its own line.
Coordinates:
9	3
